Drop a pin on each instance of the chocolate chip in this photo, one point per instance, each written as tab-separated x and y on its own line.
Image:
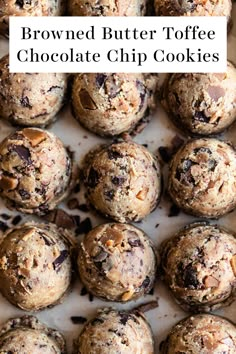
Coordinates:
77	188
124	317
109	195
20	3
78	319
118	181
187	164
84	208
25	102
145	283
22	152
212	164
166	153
83	291
151	292
100	79
147	307
202	150
134	243
174	211
84	227
201	117
3	226
5	216
190	277
16	220
54	88
157	225
93	178
97	321
113	154
25	195
91	297
59	260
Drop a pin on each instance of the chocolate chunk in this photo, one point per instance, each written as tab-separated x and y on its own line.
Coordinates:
25	102
96	321
25	195
190	277
166	153
134	243
47	240
176	143
113	154
142	93
86	100
84	208
91	297
54	88
16	220
118	180
93	178
202	150
174	211
77	188
83	291
124	317
151	292
100	79
61	219
147	307
100	257
3	226
76	219
78	319
22	152
21	3
5	216
84	227
212	164
187	164
216	92
145	283
201	117
59	260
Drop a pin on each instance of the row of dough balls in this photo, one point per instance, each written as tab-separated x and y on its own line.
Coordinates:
113	8
118	262
112	332
123	179
111	104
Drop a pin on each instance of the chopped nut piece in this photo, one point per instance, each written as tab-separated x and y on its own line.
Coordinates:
142	194
34	136
127	295
29	233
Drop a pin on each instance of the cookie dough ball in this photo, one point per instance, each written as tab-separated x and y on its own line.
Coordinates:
203	334
202	178
107	8
123	181
112	332
199	266
117	262
202	103
27	335
30	99
35	265
193	8
28	8
35	171
110	104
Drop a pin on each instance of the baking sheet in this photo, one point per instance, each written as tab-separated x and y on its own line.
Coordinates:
159	132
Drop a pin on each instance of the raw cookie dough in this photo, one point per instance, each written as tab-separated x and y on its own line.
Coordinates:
35	171
202	177
35	265
205	334
123	181
199	266
27	335
193	8
117	262
30	99
202	103
107	8
112	332
110	104
28	8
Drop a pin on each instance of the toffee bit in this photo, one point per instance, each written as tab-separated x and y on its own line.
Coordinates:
16	220
78	319
84	227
